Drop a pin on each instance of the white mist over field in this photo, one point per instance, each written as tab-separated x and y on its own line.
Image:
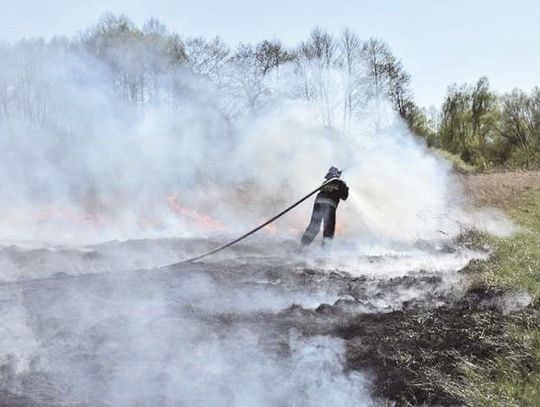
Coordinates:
99	143
93	167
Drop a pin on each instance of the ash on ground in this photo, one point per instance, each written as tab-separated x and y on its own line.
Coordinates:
261	325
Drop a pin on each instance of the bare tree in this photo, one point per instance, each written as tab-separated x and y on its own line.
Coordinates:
6	77
353	69
246	82
315	59
117	42
386	75
376	55
398	90
270	55
162	54
207	58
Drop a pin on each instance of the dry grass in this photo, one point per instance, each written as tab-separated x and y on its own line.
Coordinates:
502	190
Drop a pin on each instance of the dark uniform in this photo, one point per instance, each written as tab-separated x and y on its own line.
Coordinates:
324	209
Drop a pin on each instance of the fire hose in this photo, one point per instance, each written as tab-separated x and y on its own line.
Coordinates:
245	235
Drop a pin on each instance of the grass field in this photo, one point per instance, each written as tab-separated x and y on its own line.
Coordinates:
513	378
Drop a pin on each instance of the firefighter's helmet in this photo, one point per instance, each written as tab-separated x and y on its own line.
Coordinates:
333	172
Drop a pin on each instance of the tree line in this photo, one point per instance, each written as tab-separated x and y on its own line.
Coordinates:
341	76
487	129
147	67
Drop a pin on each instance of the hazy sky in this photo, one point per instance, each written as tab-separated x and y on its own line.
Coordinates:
439	41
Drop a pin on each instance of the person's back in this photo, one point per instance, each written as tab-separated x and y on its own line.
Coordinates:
324	209
333	192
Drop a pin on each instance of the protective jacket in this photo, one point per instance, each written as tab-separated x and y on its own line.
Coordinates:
332	192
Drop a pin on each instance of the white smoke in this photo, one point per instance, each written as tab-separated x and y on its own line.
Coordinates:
82	164
189	339
115	170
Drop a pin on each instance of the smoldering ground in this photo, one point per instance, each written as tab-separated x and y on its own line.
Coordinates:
88	158
260	326
239	330
151	340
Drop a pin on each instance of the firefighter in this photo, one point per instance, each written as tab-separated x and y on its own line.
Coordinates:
324	210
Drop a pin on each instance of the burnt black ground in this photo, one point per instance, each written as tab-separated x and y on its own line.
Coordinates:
86	332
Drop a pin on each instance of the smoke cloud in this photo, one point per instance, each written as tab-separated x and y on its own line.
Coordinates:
82	164
109	138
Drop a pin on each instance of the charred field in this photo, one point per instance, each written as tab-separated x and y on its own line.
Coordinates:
262	325
133	150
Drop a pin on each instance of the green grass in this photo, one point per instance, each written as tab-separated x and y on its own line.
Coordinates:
515	261
513	379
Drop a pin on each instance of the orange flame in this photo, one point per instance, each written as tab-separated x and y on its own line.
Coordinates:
202	220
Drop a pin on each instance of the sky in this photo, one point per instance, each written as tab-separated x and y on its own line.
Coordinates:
439	42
